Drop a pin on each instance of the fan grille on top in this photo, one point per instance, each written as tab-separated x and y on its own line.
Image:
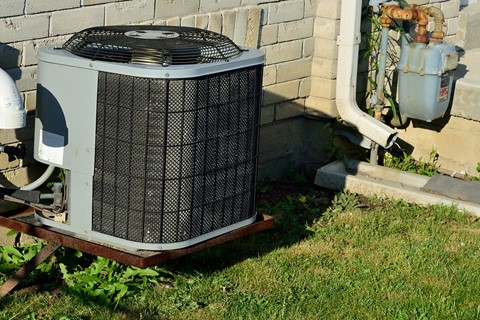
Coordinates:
152	45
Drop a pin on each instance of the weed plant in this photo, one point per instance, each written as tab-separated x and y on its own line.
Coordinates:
406	162
329	256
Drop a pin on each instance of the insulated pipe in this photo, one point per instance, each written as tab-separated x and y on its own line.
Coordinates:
41	180
348	45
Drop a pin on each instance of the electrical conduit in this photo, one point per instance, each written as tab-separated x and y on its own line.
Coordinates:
348	47
41	180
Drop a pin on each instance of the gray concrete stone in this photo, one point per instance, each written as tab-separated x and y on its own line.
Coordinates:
11	8
289	109
286	11
228	23
253	27
201	21
37	6
281	92
25	78
295	30
61	21
467	86
93	2
128	12
24	28
285	51
292	70
215	22
11	55
188	21
280	144
216	5
367	179
174	8
453	188
329	9
240	28
269	34
468	36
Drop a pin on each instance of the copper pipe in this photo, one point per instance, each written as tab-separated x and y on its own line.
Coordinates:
392	11
439	19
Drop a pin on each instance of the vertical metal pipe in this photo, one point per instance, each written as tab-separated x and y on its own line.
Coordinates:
382	66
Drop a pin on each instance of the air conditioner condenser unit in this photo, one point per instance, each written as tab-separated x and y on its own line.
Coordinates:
157	130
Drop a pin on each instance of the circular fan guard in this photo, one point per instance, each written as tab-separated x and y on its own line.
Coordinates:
152	45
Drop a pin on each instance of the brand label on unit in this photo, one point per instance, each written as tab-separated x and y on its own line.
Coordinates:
443	91
51	147
152	34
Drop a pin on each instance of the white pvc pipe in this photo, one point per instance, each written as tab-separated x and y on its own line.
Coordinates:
348	45
41	180
12	112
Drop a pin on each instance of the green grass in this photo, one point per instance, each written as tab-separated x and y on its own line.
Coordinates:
342	257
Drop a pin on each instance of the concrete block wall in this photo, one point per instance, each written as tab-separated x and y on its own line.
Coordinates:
297	36
456	136
461	26
282	29
321	101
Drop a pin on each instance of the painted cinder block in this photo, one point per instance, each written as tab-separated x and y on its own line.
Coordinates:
71	21
284	51
128	12
11	8
93	2
11	55
295	30
216	5
281	92
286	11
329	9
292	70
177	8
24	28
37	6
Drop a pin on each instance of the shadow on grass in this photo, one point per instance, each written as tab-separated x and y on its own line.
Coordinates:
293	206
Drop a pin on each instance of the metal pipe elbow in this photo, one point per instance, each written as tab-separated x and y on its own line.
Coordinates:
422	20
393	11
439	20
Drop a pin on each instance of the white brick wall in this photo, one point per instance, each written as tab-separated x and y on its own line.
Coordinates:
37	6
297	36
170	8
292	30
24	28
216	5
286	11
11	8
61	20
129	12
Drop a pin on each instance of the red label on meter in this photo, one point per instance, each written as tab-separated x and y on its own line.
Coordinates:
443	91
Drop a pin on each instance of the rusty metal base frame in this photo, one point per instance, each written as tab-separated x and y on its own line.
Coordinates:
25	222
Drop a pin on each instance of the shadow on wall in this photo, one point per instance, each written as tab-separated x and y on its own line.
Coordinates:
17	172
289	137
